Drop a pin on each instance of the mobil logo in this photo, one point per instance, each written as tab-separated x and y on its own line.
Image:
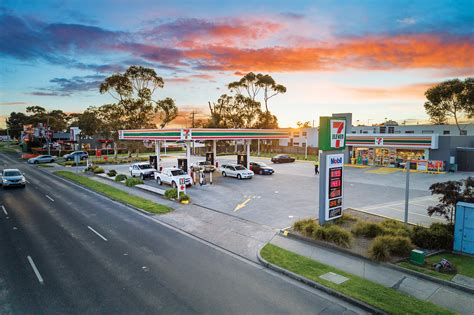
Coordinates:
335	160
338	133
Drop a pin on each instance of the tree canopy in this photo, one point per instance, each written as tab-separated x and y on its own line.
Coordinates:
451	98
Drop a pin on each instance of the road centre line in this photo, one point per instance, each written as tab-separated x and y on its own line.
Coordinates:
50	198
413	213
97	233
4	210
38	275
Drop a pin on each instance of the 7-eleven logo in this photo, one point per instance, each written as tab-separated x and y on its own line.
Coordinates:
338	132
186	134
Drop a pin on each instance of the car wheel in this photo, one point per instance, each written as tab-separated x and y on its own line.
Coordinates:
238	176
158	181
173	184
52	161
223	174
35	162
23	186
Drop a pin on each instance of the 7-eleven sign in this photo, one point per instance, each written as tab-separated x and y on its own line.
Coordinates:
338	133
186	134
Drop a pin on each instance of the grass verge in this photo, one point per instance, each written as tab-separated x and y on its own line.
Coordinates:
116	194
463	264
387	299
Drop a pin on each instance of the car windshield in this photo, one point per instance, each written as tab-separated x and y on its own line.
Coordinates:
144	166
261	164
178	172
240	168
12	173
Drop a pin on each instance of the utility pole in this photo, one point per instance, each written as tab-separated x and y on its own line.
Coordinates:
407	189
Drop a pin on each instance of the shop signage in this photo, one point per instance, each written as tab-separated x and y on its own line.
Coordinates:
332	133
334	190
186	134
379	141
181	187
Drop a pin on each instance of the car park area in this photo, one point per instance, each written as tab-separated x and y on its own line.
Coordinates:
291	193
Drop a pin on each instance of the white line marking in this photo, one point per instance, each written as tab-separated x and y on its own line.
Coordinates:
50	198
38	275
4	210
28	181
97	233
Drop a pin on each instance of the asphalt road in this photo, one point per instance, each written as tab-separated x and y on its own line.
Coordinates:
67	250
292	192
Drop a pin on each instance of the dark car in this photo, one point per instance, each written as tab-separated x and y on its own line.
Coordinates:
261	168
70	157
282	158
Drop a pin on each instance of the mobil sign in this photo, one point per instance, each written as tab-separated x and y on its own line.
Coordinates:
336	160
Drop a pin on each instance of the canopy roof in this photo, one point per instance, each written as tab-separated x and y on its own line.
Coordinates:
189	134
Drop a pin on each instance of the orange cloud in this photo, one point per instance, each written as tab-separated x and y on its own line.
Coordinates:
413	91
374	53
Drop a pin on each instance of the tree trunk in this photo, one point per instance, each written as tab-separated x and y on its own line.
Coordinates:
457	124
115	150
266	99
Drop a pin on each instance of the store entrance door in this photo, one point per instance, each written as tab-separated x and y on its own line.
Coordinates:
382	157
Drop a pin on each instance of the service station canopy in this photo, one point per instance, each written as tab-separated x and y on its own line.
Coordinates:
192	134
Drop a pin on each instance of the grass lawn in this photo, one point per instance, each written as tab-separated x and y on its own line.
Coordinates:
387	299
116	194
464	265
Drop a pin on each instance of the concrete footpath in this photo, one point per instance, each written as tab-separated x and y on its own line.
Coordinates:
450	298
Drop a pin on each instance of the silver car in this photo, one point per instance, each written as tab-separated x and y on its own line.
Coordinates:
12	177
42	159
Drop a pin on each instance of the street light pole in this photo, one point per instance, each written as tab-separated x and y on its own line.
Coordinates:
407	190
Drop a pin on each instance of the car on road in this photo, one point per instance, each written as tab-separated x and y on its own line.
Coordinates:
282	158
142	170
172	176
70	156
12	177
261	168
42	159
203	165
235	170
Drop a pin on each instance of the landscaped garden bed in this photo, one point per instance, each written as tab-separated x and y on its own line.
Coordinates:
375	237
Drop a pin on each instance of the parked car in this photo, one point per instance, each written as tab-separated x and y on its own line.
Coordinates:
12	177
203	165
42	159
142	170
70	156
171	176
261	168
235	170
282	158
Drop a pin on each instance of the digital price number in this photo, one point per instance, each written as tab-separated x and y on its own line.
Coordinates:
334	193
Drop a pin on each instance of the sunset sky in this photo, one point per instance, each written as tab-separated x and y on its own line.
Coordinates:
372	58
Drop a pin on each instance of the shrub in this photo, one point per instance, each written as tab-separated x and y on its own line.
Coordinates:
120	177
437	236
309	227
368	229
298	225
69	163
112	173
394	227
98	170
383	247
337	235
345	218
171	193
132	181
184	197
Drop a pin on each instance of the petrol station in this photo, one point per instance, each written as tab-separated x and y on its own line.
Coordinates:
189	135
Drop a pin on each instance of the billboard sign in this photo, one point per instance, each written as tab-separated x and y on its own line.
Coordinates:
334	187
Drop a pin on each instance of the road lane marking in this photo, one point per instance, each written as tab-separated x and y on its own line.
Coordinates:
243	204
38	275
97	233
4	210
50	198
27	181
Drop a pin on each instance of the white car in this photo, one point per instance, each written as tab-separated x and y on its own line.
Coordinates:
171	176
142	170
235	170
42	159
12	177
